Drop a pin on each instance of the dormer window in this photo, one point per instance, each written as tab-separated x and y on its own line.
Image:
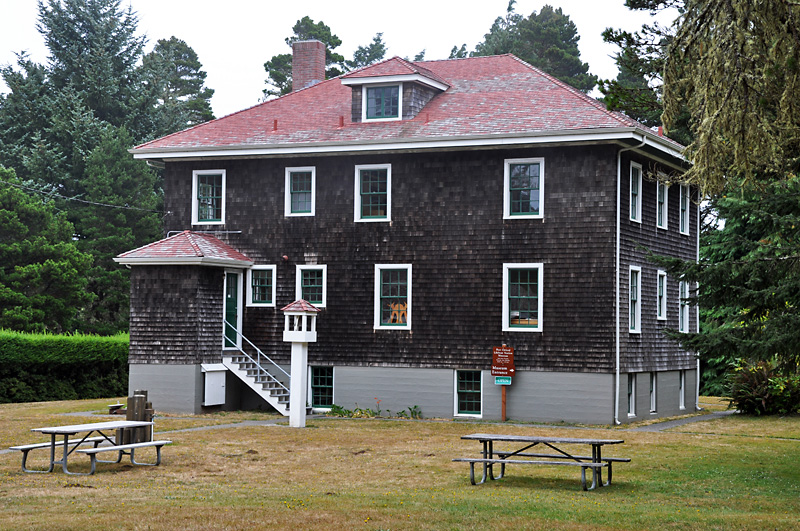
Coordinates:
383	103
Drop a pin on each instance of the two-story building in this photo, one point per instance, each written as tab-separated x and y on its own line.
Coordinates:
432	210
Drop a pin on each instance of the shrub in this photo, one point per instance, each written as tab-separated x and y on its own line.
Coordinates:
758	388
43	367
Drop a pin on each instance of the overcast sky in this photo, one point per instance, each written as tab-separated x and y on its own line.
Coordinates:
234	38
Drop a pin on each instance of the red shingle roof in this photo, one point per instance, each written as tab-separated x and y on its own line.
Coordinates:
184	248
489	97
300	306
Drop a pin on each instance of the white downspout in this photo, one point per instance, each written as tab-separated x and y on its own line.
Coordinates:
697	314
619	223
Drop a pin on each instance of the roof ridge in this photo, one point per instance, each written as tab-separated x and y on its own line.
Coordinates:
189	235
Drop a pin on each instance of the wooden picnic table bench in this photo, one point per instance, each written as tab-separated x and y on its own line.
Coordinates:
104	431
489	456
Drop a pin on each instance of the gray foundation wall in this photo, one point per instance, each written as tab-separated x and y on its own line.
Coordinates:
533	396
171	388
667	395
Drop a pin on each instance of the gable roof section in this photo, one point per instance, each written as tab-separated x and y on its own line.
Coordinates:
186	248
497	100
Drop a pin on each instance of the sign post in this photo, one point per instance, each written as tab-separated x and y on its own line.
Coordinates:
502	370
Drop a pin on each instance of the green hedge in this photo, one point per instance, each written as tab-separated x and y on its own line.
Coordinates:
42	367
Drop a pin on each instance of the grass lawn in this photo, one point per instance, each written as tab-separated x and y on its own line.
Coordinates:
729	473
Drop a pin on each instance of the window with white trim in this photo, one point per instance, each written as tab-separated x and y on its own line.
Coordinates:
684	207
652	392
382	102
522	297
682	390
373	192
208	197
523	188
469	400
662	208
635	299
392	296
261	286
300	195
321	387
661	301
683	309
311	284
631	395
636	192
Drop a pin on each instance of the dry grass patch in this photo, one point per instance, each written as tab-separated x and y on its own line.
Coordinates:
390	474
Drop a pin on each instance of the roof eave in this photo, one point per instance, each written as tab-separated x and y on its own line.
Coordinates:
653	140
183	261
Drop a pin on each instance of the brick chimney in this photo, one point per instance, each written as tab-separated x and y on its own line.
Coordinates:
308	64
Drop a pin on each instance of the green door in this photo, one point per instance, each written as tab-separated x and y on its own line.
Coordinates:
231	309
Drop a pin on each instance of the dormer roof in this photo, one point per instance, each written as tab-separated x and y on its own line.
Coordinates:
395	70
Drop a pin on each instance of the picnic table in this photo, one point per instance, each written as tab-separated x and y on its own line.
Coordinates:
109	433
557	456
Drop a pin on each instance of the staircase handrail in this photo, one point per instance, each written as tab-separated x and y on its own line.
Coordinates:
260	355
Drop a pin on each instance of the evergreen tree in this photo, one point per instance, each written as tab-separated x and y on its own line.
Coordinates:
120	212
279	68
94	50
369	54
175	71
42	273
736	65
547	40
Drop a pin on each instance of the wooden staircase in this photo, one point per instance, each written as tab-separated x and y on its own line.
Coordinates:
264	383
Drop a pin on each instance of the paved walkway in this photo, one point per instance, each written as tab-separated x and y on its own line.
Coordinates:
661	426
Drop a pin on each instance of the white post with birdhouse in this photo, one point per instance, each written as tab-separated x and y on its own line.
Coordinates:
300	328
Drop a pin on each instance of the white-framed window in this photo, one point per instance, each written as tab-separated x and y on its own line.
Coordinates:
682	390
635	299
208	197
392	297
684	206
261	286
311	284
683	308
373	192
523	188
468	393
662	207
300	197
522	297
631	395
652	392
382	102
320	383
636	192
661	300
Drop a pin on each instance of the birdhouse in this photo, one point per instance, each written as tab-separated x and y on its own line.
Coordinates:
300	322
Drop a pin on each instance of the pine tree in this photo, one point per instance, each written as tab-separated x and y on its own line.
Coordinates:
369	54
42	273
279	67
175	71
547	40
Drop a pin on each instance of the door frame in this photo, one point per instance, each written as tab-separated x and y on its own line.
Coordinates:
239	306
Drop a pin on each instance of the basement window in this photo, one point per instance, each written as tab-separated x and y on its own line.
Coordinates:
468	393
322	387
